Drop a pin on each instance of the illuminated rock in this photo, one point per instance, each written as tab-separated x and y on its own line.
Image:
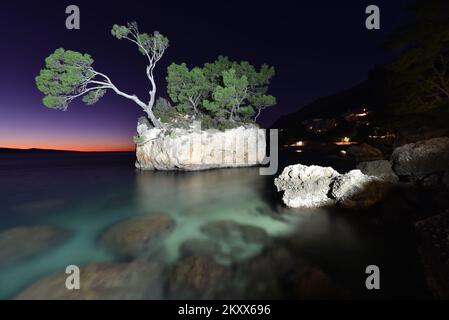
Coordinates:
195	149
420	159
314	186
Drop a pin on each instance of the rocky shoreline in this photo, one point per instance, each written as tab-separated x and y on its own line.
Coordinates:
413	185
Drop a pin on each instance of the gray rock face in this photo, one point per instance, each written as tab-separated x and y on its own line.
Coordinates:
434	251
103	281
364	152
138	237
379	168
417	160
306	186
196	149
314	186
21	243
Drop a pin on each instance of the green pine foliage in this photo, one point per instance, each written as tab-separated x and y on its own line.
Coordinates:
224	90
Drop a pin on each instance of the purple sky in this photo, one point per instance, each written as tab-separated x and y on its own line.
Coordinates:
317	47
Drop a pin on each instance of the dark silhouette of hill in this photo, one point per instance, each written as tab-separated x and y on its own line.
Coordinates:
371	93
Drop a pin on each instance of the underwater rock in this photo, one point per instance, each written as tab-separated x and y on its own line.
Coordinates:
364	152
139	236
206	247
380	168
103	281
20	243
228	229
197	277
420	159
306	186
196	149
314	186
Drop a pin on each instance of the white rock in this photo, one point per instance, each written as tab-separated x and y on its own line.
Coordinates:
417	160
195	149
356	190
315	186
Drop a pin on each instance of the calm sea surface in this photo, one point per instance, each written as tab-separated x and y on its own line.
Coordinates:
86	193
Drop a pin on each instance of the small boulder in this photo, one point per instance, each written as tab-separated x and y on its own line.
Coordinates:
103	281
21	243
420	159
380	168
139	236
364	152
197	277
306	186
228	229
354	190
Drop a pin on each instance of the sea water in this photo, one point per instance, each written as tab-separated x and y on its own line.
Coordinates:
86	193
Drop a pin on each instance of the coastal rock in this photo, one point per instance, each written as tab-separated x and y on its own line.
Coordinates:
406	136
354	190
231	230
364	152
195	149
306	186
380	168
103	281
314	186
139	236
418	160
203	247
197	277
21	243
434	251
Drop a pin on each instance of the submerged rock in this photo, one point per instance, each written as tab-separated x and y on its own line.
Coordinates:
379	168
103	281
314	186
204	247
420	159
139	236
306	186
364	152
197	277
231	230
196	149
21	243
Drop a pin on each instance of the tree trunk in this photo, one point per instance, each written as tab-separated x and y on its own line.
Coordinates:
155	121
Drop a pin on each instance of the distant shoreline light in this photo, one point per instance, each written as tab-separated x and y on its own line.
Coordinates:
71	148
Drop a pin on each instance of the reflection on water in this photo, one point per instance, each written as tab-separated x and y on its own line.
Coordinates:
231	238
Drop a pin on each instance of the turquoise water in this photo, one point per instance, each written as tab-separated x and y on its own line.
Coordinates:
88	193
